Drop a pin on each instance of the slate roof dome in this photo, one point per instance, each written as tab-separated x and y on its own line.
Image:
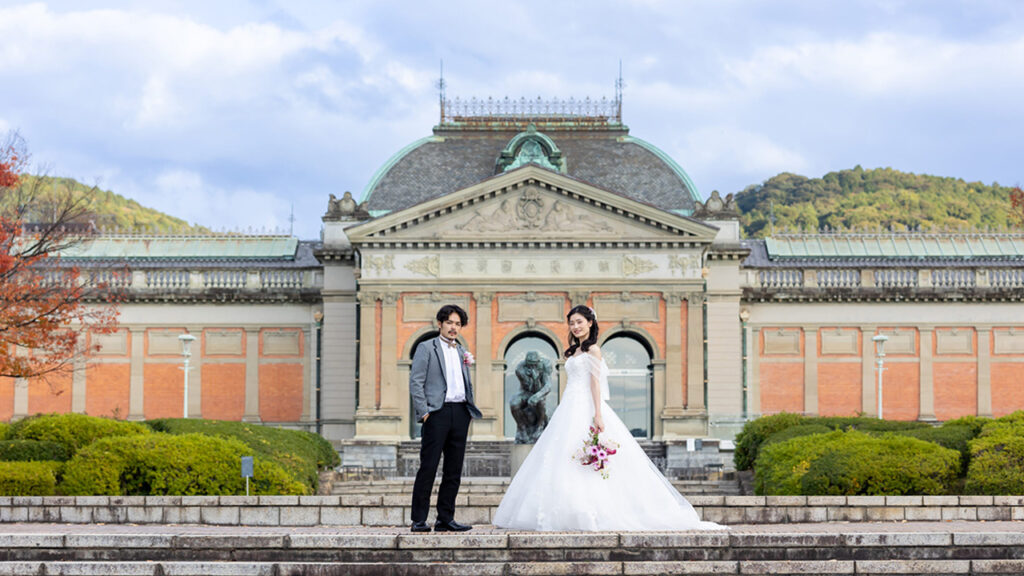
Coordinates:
478	140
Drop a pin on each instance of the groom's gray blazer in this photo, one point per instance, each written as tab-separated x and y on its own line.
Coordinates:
427	382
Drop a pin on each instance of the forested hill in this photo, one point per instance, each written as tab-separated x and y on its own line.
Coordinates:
107	210
869	199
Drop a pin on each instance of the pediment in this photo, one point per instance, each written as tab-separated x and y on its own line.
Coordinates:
530	205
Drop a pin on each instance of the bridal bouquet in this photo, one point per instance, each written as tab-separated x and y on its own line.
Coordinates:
595	452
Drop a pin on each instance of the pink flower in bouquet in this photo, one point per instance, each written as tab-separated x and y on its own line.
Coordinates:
602	455
593	450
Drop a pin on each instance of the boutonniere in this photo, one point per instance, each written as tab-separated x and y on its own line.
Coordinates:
468	359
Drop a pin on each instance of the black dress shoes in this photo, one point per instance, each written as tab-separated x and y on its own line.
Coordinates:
421	526
450	526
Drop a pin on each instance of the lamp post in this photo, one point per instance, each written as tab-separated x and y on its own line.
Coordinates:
186	353
880	354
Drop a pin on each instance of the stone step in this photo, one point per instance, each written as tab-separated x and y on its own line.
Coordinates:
935	548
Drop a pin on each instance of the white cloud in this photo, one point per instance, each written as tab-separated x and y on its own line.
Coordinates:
884	64
731	150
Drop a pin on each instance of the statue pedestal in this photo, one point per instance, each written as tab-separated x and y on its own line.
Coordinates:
519	453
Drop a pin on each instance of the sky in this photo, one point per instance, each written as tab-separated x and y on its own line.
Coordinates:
237	114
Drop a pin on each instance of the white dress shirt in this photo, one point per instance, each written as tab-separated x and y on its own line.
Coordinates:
453	373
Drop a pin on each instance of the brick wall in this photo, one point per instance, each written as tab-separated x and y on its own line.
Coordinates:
107	390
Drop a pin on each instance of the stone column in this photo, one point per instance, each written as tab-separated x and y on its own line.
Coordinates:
754	372
868	383
308	369
195	374
925	376
136	387
78	381
252	375
674	411
390	387
367	392
487	392
811	371
20	399
985	372
695	353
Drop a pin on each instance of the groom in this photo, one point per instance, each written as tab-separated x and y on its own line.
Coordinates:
442	396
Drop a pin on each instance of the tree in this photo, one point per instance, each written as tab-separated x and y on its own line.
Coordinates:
1017	206
46	306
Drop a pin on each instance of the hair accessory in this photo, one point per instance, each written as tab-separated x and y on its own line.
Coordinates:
592	313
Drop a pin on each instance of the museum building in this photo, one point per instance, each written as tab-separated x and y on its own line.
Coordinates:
517	211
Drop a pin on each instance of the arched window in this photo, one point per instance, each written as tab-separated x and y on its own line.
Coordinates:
544	352
630	382
414	426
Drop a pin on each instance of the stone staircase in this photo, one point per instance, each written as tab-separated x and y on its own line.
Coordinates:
993	549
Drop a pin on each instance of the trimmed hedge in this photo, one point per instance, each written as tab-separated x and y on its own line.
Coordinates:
164	464
750	440
4	427
300	453
755	432
997	458
73	431
852	462
955	436
795	432
29	478
32	451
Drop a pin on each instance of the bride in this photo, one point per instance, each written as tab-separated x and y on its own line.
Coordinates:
554	491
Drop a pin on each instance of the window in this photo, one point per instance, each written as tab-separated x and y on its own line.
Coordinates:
630	382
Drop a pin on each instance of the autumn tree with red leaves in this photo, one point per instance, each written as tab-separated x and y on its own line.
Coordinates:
1017	206
46	306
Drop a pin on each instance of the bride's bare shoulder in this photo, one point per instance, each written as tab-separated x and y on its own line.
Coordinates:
594	351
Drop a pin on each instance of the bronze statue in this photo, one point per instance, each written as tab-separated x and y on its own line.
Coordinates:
527	405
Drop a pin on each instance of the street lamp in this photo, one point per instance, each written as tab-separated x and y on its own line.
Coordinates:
880	354
186	341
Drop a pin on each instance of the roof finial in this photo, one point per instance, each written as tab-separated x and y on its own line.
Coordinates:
619	85
440	90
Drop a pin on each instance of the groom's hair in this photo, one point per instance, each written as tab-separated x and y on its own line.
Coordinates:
447	310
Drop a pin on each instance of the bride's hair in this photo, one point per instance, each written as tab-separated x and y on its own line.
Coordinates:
574	342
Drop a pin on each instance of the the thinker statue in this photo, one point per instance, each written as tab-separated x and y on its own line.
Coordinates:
527	405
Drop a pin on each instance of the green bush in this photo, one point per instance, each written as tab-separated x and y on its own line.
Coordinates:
74	431
300	453
865	424
755	432
997	459
975	423
4	428
892	465
955	437
795	432
28	478
1017	416
854	462
32	450
165	464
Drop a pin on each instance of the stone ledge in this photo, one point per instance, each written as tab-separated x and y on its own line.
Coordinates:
384	510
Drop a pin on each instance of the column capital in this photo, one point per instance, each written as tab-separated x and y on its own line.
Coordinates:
367	297
579	297
483	298
673	298
389	298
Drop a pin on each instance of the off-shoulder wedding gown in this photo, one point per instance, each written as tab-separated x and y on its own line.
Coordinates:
553	492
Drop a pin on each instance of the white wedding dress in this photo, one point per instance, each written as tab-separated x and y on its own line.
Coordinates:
554	492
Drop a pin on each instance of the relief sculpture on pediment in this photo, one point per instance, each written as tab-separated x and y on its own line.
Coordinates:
531	212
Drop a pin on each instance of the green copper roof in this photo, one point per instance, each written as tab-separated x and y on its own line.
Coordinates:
185	247
896	246
690	186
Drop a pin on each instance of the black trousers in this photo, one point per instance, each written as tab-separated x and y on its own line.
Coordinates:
444	432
